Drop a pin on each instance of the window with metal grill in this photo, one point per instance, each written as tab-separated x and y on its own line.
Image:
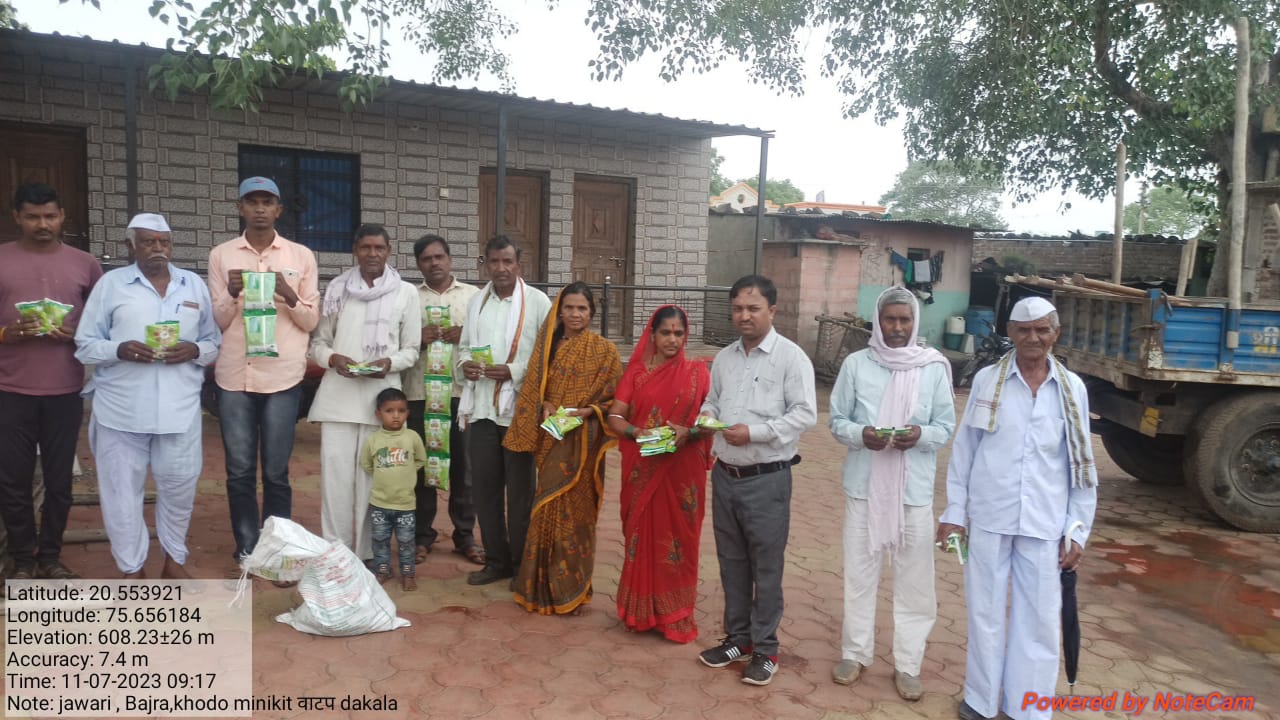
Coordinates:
320	191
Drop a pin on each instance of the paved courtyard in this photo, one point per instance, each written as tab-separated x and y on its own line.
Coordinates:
1171	602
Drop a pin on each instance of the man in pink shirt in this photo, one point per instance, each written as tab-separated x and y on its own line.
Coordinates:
40	380
258	397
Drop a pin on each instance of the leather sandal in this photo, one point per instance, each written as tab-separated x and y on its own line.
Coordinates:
474	553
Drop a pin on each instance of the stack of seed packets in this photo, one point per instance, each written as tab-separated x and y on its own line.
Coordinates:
50	313
559	423
260	314
657	441
707	422
437	379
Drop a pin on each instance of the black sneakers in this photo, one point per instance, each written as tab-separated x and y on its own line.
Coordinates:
727	652
760	670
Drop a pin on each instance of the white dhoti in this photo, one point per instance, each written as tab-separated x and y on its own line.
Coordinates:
1018	651
123	458
915	607
345	486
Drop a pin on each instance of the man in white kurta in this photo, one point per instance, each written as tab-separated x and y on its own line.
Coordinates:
1022	479
369	332
888	485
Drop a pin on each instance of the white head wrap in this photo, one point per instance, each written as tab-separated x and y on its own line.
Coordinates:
149	221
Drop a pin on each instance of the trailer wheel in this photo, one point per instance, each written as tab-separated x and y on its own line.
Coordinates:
1233	460
1155	460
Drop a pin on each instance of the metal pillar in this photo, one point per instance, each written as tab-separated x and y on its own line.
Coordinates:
130	137
500	198
760	201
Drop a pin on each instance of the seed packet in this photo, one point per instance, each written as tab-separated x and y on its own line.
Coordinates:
888	432
259	290
439	358
260	334
657	441
50	313
437	316
482	355
436	471
363	369
709	423
436	432
560	422
439	393
958	544
163	334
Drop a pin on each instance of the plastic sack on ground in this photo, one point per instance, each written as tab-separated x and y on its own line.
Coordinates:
340	596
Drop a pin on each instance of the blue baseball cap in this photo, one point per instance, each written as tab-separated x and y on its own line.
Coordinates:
258	184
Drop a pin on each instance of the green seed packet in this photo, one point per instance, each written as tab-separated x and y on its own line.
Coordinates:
559	423
657	441
260	333
50	313
163	334
709	423
436	471
958	544
363	369
436	433
482	355
439	359
259	290
437	316
439	393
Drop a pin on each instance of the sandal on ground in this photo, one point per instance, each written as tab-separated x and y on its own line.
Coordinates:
383	573
55	571
422	552
474	553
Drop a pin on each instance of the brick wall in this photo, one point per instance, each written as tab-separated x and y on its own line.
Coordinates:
1091	257
188	156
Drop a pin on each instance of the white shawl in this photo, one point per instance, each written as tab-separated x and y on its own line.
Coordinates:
504	394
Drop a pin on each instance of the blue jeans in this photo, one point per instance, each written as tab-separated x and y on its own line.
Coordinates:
382	522
257	425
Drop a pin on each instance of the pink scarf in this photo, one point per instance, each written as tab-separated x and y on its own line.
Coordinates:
888	480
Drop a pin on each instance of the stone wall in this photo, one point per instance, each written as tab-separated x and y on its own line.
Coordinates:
1052	256
409	152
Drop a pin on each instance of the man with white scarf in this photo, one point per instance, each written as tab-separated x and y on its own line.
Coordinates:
1022	480
504	317
369	331
888	485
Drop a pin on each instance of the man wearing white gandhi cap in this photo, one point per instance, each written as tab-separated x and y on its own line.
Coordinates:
1022	480
146	393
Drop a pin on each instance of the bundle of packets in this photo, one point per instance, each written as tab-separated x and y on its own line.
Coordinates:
363	369
260	314
559	423
886	433
957	544
707	422
437	471
161	336
482	355
657	441
50	313
437	421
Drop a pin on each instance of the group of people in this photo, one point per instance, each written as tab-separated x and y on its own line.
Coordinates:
1020	485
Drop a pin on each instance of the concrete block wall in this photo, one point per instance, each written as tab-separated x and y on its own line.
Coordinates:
188	158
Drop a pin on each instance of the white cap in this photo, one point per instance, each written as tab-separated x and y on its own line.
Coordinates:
149	221
1029	309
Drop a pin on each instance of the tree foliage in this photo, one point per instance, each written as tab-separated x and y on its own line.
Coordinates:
235	49
719	183
9	18
941	192
1171	210
1040	92
780	192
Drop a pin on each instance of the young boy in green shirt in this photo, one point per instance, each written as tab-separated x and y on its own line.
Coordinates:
393	456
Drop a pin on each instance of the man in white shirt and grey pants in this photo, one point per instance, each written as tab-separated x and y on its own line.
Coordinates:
762	387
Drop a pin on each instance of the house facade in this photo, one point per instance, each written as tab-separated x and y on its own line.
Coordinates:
589	192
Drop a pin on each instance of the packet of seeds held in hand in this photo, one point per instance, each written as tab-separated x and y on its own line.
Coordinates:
482	355
260	334
958	544
559	423
439	358
709	423
259	290
438	316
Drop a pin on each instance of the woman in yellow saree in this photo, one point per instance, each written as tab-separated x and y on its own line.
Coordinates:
574	368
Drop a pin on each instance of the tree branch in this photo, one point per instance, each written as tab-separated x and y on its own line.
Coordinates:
1143	104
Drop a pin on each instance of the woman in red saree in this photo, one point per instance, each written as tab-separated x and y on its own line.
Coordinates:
571	367
663	496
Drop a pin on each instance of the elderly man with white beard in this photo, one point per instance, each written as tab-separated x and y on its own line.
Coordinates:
893	408
146	395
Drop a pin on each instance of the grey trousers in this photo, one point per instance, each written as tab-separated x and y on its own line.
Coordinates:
500	480
751	517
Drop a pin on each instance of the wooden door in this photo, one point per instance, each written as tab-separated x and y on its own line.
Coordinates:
524	219
51	155
602	230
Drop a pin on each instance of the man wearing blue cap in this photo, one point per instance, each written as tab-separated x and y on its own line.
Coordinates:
258	396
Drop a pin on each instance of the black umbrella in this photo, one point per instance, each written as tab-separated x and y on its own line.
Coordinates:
1070	627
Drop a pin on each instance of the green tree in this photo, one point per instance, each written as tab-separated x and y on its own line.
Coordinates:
719	183
1171	210
941	192
780	192
9	18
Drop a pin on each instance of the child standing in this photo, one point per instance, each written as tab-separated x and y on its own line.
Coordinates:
393	456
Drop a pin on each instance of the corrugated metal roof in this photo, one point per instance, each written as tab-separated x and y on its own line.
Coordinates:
472	100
